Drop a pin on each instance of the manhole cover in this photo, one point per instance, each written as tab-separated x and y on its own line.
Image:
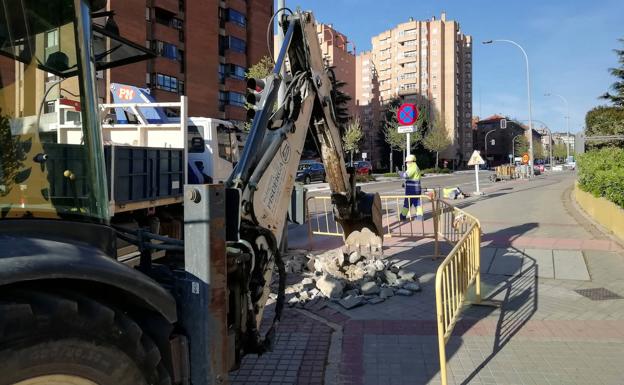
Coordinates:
598	294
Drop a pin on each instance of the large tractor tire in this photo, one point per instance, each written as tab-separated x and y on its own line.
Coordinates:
64	338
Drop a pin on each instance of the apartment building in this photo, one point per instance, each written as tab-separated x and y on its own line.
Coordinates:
367	101
204	49
339	53
429	63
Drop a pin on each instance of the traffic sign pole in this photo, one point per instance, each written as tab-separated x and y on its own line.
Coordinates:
408	144
478	192
406	116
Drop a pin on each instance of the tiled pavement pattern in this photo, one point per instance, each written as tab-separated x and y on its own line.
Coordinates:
544	333
478	360
298	358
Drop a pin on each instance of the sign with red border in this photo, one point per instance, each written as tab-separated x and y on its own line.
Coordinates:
407	114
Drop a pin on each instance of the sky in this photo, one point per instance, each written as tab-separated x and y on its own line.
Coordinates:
569	44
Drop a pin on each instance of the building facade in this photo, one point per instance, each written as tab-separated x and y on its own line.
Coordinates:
429	63
339	53
367	102
496	144
204	49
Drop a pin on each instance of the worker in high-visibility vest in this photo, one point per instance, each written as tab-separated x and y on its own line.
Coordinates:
412	187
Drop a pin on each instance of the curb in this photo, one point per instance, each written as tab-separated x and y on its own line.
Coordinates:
332	369
595	226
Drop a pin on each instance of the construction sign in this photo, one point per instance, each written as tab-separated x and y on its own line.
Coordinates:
525	158
475	159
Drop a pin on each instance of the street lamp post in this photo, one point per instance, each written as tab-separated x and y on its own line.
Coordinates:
567	121
526	59
486	134
513	145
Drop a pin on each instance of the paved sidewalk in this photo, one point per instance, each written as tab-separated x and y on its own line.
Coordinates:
561	319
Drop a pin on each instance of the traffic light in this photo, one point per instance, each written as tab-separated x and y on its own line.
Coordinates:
256	96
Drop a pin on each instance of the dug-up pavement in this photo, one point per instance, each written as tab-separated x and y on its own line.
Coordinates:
561	319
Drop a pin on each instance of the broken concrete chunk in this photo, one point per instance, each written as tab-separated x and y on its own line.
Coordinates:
369	288
389	277
404	292
394	268
376	300
330	287
412	286
353	292
349	302
354	257
407	275
386	292
307	283
379	265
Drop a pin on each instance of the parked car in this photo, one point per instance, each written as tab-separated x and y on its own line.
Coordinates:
363	167
309	172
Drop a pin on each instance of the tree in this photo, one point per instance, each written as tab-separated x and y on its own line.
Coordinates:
604	120
437	139
261	69
617	98
538	150
560	151
521	145
395	140
352	137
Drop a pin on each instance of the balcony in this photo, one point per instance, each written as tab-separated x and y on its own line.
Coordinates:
407	59
235	57
167	66
233	112
405	37
236	85
165	33
233	29
172	6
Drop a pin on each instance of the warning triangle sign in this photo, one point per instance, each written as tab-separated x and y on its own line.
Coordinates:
475	158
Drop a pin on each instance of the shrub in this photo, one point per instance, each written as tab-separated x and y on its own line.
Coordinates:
601	173
435	171
391	174
364	178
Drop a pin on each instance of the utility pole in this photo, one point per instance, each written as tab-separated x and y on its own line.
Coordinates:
528	75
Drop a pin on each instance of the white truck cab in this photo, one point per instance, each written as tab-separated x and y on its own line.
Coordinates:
213	150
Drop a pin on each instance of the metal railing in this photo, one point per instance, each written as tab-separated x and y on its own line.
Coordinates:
321	220
460	269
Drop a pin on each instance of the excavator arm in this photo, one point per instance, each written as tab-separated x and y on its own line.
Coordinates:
260	187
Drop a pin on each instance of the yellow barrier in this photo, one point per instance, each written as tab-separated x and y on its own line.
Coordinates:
456	273
321	220
460	268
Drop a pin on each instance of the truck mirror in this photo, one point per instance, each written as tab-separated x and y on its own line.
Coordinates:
197	144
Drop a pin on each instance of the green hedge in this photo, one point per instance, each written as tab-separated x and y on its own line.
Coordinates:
601	173
364	178
391	174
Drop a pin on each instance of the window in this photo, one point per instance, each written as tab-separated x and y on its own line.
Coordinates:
237	72
167	18
236	17
165	82
167	50
231	98
221	72
236	44
237	99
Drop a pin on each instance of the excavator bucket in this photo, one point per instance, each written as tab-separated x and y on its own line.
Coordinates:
363	230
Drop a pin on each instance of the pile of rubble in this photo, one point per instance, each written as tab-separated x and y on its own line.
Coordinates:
348	279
